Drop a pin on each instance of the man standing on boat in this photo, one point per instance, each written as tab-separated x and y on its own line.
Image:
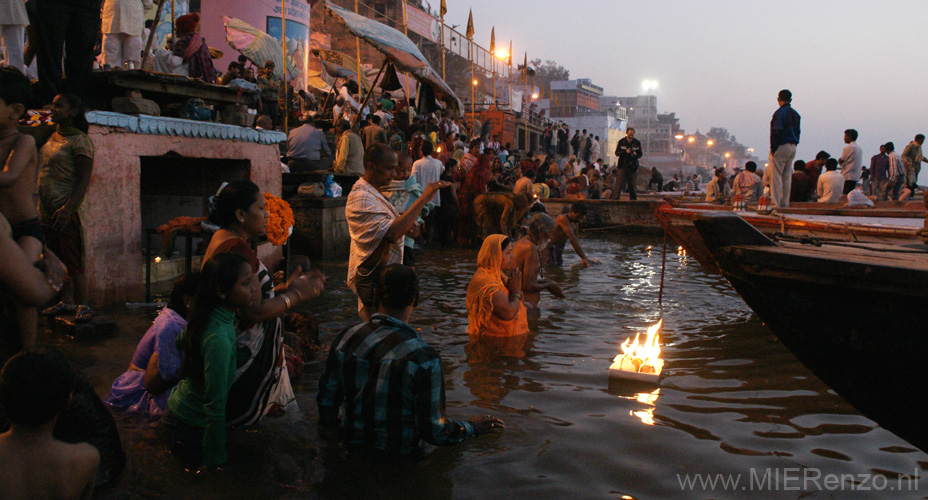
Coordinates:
784	136
851	161
912	158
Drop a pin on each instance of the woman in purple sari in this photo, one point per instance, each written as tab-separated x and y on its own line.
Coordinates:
155	366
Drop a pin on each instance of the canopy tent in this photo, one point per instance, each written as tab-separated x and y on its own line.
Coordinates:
340	65
398	49
256	45
314	79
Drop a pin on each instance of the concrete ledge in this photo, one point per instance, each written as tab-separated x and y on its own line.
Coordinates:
321	229
623	215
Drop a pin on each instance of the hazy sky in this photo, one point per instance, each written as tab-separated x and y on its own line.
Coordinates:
849	63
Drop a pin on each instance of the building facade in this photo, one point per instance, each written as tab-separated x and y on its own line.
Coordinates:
571	98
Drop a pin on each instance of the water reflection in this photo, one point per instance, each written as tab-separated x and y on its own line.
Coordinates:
732	399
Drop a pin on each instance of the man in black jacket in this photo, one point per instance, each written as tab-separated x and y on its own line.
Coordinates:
628	150
563	140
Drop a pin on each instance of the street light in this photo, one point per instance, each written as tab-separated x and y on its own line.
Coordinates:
649	85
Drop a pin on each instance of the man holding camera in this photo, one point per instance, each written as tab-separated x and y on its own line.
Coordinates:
628	150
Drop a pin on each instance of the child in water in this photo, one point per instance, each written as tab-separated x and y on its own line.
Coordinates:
197	405
18	184
35	387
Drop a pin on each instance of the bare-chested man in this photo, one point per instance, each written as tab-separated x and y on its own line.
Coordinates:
35	386
18	186
526	256
564	232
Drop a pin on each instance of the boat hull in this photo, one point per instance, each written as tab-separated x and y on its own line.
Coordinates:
678	223
859	322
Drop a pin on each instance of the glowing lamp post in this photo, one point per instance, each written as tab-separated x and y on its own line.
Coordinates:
649	85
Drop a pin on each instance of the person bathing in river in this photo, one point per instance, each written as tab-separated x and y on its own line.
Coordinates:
197	404
494	300
402	192
377	230
36	386
401	365
155	366
526	254
262	384
563	232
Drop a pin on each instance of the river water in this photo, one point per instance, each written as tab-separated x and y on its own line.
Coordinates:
733	405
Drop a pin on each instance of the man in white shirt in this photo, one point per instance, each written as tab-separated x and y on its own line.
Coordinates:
748	184
851	160
122	23
427	170
718	190
830	184
386	118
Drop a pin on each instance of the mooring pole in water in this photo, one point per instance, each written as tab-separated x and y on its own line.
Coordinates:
660	294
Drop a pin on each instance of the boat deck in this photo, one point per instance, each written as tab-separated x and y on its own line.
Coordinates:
914	257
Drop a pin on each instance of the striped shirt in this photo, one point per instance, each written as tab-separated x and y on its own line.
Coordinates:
392	388
369	216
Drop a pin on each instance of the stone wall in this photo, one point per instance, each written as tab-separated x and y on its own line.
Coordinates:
321	229
113	232
638	216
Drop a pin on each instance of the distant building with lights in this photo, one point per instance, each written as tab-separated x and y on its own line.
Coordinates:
571	98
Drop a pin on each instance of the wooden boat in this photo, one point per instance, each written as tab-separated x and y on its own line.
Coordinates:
895	223
855	314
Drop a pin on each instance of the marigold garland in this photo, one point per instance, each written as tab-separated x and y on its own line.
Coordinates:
280	220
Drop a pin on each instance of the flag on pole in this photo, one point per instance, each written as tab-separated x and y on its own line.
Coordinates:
443	9
493	40
509	60
470	26
525	68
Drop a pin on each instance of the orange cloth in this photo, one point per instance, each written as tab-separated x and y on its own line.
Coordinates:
488	280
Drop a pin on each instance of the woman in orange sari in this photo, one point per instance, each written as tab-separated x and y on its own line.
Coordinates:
494	301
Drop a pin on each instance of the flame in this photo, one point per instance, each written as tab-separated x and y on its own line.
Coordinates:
642	356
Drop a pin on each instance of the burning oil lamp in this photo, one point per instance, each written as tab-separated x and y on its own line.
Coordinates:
640	360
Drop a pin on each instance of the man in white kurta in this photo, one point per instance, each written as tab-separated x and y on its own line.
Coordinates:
13	22
123	22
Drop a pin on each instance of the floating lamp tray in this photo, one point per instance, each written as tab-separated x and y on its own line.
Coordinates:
639	361
624	369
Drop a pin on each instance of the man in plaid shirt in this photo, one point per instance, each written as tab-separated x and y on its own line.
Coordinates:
389	380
